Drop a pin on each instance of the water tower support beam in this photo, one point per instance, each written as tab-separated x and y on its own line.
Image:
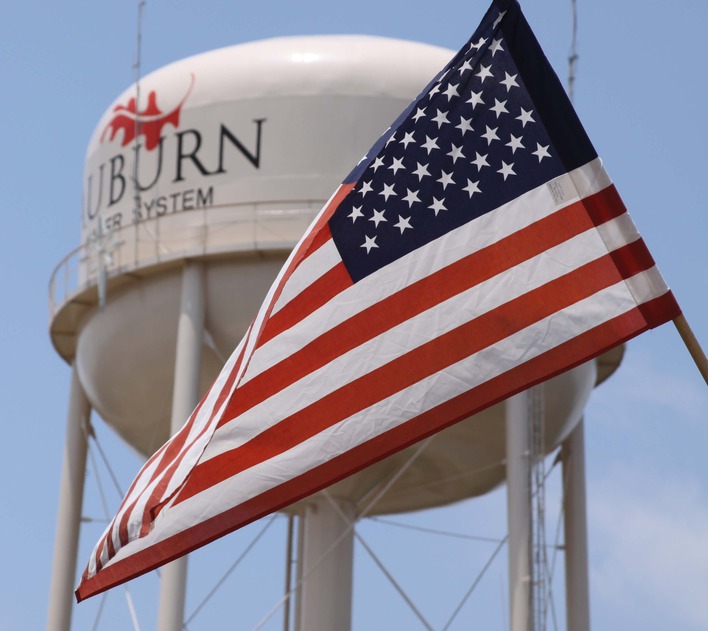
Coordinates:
519	511
576	533
71	494
298	572
185	396
327	565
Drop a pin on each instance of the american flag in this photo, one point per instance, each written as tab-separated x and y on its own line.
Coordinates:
477	249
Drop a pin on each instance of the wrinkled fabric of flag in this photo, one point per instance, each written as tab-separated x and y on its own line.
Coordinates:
477	249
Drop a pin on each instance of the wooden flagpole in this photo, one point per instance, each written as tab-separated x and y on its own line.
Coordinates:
689	339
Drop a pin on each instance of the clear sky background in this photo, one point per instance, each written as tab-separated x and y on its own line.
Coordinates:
641	93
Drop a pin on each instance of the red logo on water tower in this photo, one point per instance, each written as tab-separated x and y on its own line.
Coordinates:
148	123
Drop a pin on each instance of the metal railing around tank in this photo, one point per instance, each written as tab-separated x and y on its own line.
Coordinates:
210	231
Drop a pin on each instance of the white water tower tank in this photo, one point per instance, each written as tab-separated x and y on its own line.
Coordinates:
236	150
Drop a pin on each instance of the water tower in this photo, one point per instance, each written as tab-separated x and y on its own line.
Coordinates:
198	182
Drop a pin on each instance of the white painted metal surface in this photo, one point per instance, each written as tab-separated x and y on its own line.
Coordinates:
519	511
327	564
577	569
185	396
71	492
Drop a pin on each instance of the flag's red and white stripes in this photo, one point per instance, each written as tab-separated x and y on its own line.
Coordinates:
334	375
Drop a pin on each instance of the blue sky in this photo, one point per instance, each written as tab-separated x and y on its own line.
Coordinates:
641	95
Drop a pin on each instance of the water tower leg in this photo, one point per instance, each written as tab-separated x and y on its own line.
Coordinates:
519	511
576	535
326	591
71	493
185	396
298	571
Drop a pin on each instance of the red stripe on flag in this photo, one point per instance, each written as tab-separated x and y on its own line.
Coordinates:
631	262
322	235
656	312
402	372
320	292
318	235
606	207
564	357
320	227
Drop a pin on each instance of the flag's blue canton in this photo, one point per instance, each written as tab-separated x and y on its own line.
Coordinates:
471	143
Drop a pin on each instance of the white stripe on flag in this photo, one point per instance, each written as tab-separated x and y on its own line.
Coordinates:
647	285
315	265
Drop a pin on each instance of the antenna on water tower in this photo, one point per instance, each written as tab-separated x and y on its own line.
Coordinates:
137	69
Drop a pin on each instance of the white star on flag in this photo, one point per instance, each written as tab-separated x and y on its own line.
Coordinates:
515	143
407	139
464	125
419	113
377	163
490	134
541	152
480	161
456	153
500	17
484	73
481	42
445	179
472	187
525	117
396	165
509	81
499	107
404	223
387	191
356	213
430	144
378	217
475	99
411	197
366	188
437	205
495	47
369	244
440	118
451	91
421	171
506	170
